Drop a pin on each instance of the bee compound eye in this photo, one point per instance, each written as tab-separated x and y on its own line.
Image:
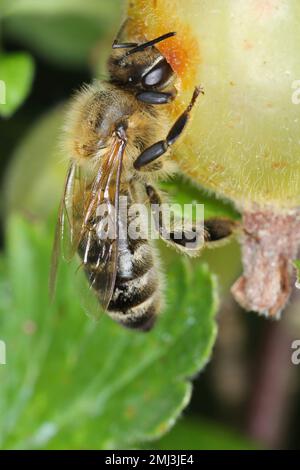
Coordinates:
158	76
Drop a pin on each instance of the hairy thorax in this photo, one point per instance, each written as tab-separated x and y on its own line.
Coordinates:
95	113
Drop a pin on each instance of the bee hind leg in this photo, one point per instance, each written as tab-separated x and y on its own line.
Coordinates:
188	236
219	230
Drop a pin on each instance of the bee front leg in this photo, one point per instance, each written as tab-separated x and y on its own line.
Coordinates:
159	148
156	97
187	236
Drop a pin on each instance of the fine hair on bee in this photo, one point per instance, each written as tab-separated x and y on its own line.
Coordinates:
119	140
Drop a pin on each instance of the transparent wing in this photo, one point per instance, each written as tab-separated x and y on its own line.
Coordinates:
69	221
88	221
98	246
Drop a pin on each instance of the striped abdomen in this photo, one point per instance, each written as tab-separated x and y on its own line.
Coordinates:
136	297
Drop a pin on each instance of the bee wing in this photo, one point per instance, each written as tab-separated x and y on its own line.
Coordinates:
69	221
100	229
81	218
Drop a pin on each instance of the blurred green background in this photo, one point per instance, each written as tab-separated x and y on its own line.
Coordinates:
70	382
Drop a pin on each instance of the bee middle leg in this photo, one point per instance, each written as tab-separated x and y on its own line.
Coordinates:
183	236
188	236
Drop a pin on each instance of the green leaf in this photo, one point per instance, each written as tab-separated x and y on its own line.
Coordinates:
190	434
16	75
50	7
73	383
66	32
183	191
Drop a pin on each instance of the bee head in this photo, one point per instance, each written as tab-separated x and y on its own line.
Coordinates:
140	66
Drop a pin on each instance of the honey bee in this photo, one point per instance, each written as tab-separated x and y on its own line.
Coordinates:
115	133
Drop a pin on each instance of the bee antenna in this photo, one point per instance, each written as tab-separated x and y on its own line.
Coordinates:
125	45
151	43
118	44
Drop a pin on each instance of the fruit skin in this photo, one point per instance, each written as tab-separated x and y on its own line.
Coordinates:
244	142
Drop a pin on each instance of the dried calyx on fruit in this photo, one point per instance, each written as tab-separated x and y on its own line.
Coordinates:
270	241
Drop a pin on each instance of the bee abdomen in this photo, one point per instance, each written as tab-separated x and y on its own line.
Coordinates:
135	303
136	300
141	317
